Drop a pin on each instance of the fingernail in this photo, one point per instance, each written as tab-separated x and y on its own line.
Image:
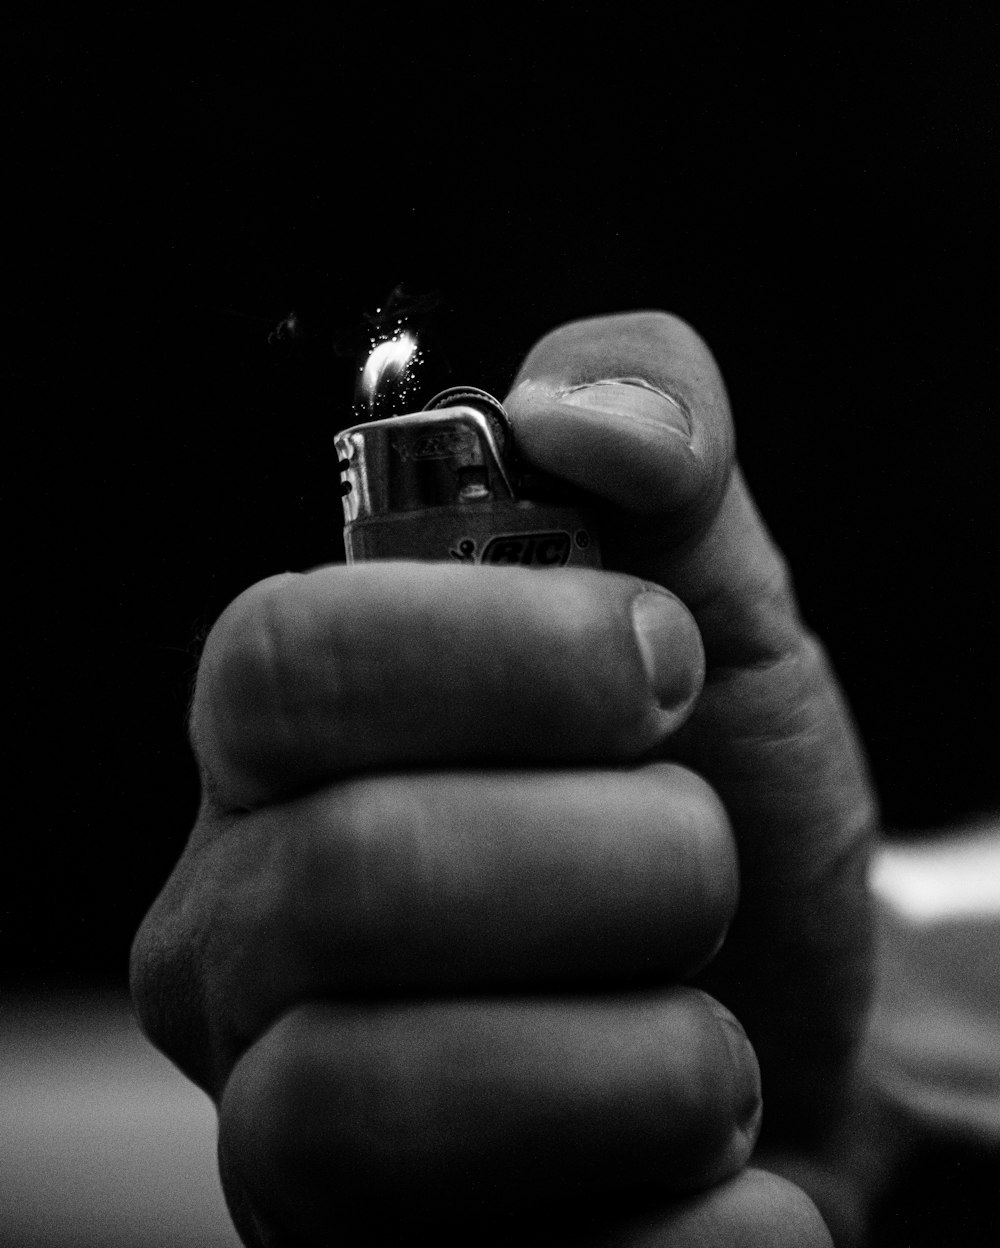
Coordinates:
746	1073
634	398
670	647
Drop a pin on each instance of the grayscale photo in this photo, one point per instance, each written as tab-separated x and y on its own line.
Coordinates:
506	544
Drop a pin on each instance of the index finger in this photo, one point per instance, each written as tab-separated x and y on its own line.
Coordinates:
389	665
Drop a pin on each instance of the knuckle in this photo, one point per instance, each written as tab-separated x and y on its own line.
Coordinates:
286	1078
344	884
250	956
244	654
277	927
269	1105
309	896
303	1102
252	690
167	984
242	640
369	869
193	963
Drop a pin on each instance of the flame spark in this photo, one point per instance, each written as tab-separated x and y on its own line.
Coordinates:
386	368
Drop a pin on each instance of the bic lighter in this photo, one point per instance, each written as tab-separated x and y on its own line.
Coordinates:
446	484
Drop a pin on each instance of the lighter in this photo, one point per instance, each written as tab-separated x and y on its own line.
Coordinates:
446	483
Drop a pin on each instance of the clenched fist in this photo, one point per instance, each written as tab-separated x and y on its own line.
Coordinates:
441	943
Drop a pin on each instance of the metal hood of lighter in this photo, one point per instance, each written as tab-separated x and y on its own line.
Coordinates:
445	483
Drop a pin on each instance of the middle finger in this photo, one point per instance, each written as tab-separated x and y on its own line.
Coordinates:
453	882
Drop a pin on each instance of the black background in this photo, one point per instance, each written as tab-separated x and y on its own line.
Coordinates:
814	195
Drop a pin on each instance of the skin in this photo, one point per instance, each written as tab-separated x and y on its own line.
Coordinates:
444	943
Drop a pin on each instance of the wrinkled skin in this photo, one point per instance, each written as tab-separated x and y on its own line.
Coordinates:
443	943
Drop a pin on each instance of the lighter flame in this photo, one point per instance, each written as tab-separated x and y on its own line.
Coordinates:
387	362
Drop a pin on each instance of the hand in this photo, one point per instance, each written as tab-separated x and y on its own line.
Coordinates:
440	997
336	924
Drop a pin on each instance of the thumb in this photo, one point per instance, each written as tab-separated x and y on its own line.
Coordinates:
632	409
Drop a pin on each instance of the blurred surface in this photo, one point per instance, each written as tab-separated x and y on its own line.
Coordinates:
934	1034
102	1141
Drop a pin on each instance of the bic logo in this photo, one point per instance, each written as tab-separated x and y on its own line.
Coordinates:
538	550
442	442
